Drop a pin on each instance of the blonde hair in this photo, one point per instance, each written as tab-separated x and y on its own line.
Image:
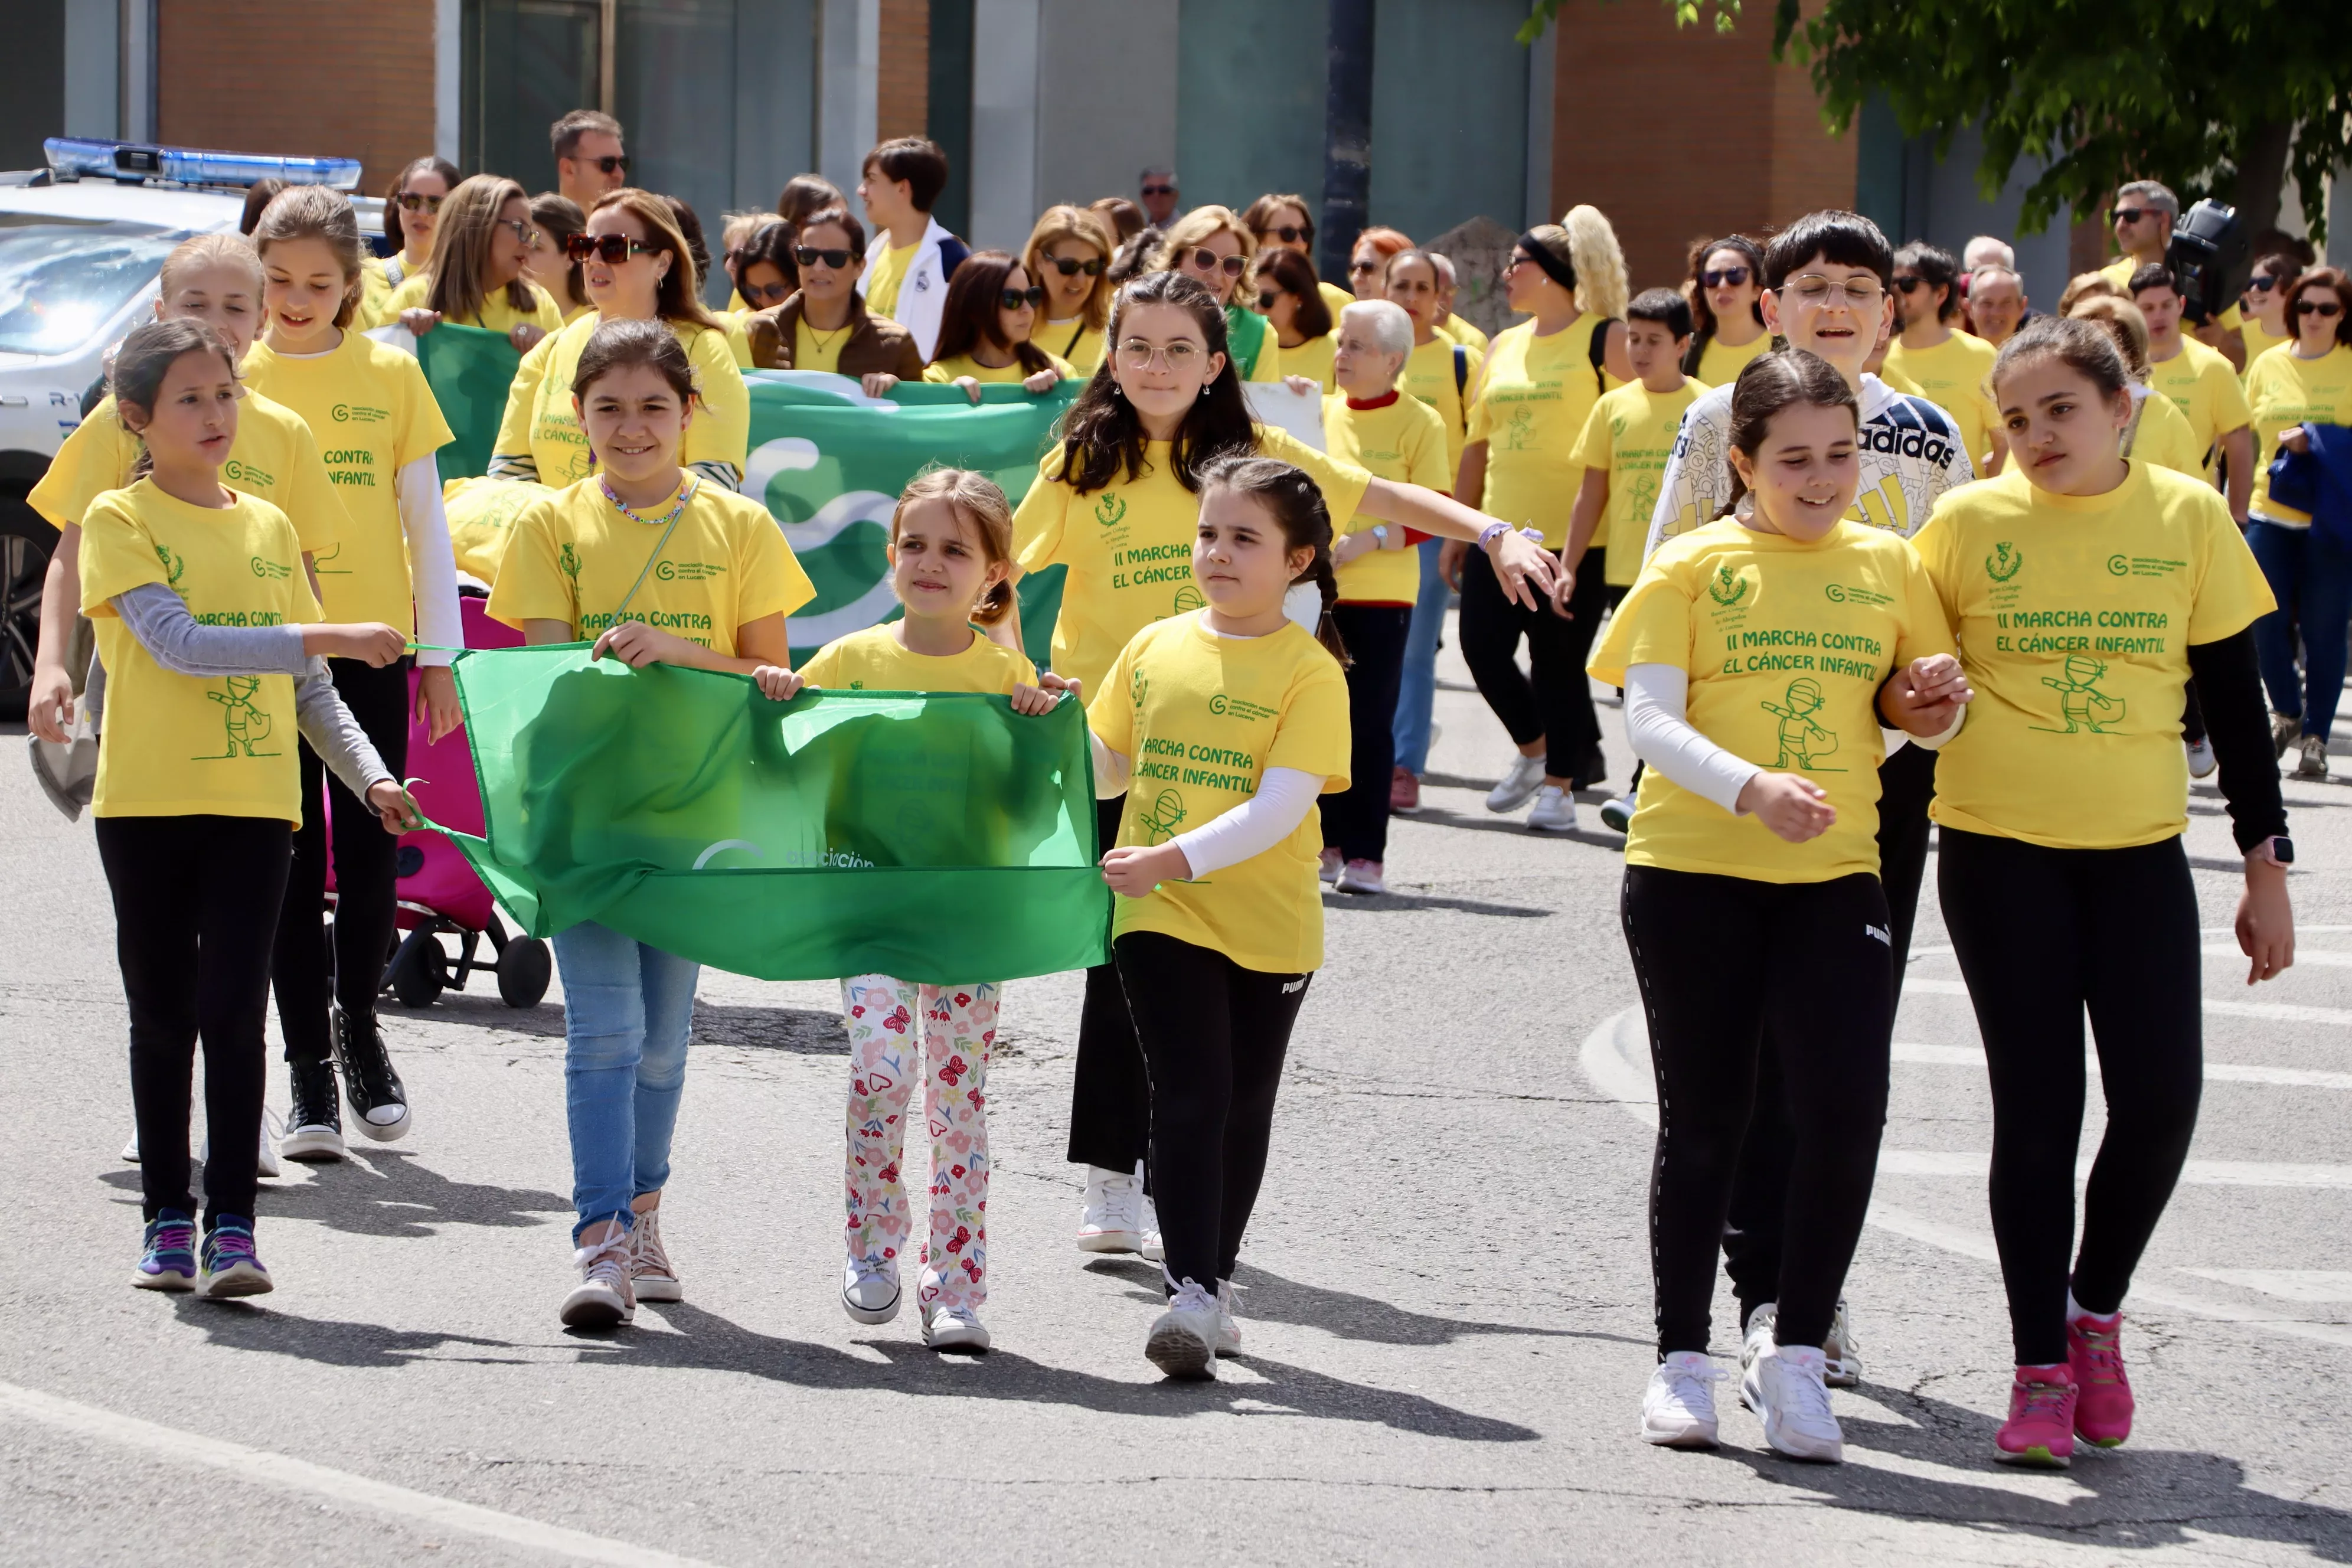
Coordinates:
975	497
1601	283
2085	286
1197	225
2124	322
208	250
461	248
316	212
1062	222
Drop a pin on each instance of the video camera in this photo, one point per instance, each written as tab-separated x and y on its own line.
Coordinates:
2207	242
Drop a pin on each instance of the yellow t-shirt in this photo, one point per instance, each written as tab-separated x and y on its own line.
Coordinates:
375	290
1529	405
1201	718
873	660
1429	375
369	409
2119	271
1312	359
498	313
1631	433
176	745
1404	443
886	269
949	369
1075	342
1129	546
273	458
738	341
811	351
539	421
2201	385
574	556
577	312
2284	392
1456	328
1955	375
2164	438
2258	340
1720	363
1786	643
1337	298
2074	615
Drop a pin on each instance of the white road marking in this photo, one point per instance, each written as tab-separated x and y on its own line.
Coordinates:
2287	1284
2280	1011
410	1508
2215	1072
2196	1173
2305	957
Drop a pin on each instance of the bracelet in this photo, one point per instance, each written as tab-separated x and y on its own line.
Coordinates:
1489	534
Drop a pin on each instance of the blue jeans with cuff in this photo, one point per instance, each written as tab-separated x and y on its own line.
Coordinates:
627	1009
2311	577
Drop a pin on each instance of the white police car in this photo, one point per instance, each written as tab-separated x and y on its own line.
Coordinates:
81	243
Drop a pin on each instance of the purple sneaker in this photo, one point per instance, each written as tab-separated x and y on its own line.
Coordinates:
168	1260
231	1266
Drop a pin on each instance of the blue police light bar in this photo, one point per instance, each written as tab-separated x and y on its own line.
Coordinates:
134	161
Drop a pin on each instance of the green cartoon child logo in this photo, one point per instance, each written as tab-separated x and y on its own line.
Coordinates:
246	723
1802	742
2080	702
1728	588
2004	562
1162	817
1520	430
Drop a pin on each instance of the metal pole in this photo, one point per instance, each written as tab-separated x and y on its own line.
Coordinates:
1347	135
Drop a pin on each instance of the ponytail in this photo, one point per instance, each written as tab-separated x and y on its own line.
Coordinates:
977	499
1296	505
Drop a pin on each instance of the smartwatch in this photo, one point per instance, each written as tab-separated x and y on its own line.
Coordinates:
2278	849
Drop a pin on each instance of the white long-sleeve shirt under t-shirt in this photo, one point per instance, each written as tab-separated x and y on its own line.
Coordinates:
1910	448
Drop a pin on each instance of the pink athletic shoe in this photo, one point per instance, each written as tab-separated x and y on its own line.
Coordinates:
2095	1355
2041	1426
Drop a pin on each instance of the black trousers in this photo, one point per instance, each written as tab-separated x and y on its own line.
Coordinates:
1213	1037
1751	1238
1553	702
2042	934
1110	1098
1808	962
365	860
1356	821
196	910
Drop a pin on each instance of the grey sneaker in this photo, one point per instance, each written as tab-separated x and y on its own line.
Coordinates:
2283	731
2313	765
1843	1350
1555	811
1519	786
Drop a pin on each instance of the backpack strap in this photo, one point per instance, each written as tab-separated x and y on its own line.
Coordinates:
1461	370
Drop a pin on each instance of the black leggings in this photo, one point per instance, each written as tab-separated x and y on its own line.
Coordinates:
195	909
1556	705
1751	1236
1110	1098
2041	935
1720	960
366	861
1356	822
1213	1037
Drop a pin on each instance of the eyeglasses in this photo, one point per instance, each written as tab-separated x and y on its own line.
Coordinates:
1134	353
1014	299
612	248
1265	303
2259	284
1158	190
1289	234
2315	308
524	234
1720	278
1070	266
1905	285
1207	261
2133	214
1815	289
809	255
612	165
418	202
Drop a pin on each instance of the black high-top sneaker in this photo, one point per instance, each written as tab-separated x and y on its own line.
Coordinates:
314	1126
379	1104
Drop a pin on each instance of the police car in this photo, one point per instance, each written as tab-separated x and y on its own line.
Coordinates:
82	244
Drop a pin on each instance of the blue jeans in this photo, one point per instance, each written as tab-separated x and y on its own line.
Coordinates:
1417	689
626	1011
2311	577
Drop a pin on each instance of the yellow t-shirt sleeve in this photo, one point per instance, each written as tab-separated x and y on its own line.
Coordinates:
530	586
938	375
823	666
414	291
1038	525
1652	626
545	313
1269	356
1110	712
309	496
2231	591
2231	410
721	431
1313	734
1426	460
117	555
1343	484
522	398
422	431
1925	631
91	462
773	582
1934	544
1595	446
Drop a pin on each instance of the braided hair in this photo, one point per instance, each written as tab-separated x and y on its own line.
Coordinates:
1296	506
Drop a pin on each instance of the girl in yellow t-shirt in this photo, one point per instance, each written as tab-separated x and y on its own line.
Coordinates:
984	329
577	564
2263	322
2085	590
1114	505
950	565
1758	814
207	622
1069	252
1229	720
1726	292
476	276
378	428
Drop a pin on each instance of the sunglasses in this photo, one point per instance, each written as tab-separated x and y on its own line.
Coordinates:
1289	234
809	255
1014	299
1158	190
610	248
2261	285
417	202
2315	308
1265	303
1905	285
1208	260
524	234
1070	266
1721	278
612	165
764	290
2131	215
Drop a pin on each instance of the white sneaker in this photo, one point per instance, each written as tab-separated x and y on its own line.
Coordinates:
264	1158
1783	1385
1519	786
1112	1218
603	1299
2201	761
1555	811
650	1274
1760	1334
1183	1340
1148	1224
1843	1353
1678	1407
1327	865
869	1289
953	1329
130	1150
1229	1327
1364	877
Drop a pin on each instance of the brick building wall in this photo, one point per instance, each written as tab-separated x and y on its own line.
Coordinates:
363	87
903	76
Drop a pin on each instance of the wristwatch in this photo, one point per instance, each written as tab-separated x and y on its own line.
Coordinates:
2278	849
1380	530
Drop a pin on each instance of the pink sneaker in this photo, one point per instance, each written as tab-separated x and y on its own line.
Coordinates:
2041	1426
2095	1355
1405	791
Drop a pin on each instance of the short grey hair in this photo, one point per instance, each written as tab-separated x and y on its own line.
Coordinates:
2157	195
1445	268
1978	279
1392	329
1988	250
1170	175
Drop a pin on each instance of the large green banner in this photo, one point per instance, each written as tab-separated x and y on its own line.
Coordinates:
937	837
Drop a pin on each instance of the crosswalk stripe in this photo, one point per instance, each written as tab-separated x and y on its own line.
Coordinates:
2215	1072
2196	1173
2278	1012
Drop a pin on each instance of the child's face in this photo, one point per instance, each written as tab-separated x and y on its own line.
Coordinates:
1652	348
222	298
1838	311
194	421
1160	360
1239	555
938	563
2066	438
1805	470
634	420
306	288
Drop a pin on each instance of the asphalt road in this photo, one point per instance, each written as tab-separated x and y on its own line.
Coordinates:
1446	1288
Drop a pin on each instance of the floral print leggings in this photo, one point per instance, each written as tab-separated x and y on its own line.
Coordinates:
891	1023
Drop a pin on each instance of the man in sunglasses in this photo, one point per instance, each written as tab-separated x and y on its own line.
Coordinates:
589	158
1158	194
2144	215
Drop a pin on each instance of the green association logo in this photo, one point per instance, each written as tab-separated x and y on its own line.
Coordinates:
1162	817
1139	686
1519	429
1839	594
237	471
686	571
358	414
1225	707
2119	566
1111	510
270	571
1728	588
2004	562
174	567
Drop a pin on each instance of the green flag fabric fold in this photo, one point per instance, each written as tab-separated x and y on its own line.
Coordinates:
469	371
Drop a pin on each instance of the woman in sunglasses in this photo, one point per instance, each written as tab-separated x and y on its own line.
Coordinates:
475	277
1282	223
1289	296
554	219
1725	291
762	267
985	327
1068	252
1214	248
2263	306
824	325
1367	264
638	268
412	207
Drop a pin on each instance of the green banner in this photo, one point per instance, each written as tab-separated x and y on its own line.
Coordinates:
469	371
937	837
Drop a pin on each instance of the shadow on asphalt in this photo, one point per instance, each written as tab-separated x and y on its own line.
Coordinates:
801	1031
398	1198
1393	902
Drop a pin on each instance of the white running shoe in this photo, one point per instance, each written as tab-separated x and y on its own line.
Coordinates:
1555	811
1783	1385
1229	1327
1519	786
650	1274
1183	1340
603	1299
1843	1351
1327	865
1760	1334
1362	877
1678	1407
1112	1218
953	1329
130	1150
869	1289
1148	1224
2201	761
